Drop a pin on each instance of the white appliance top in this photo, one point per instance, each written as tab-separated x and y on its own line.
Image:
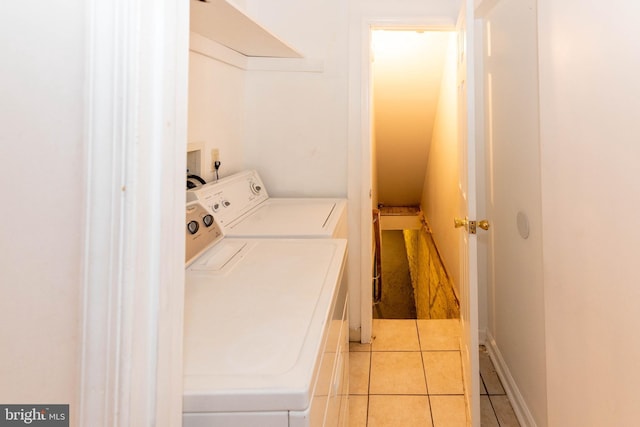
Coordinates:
255	311
241	205
290	218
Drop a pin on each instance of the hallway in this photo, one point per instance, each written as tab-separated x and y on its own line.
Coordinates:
411	375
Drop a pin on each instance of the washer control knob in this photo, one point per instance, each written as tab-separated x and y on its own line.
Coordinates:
207	220
255	188
193	227
226	203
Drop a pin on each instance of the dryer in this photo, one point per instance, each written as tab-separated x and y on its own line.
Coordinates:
265	329
242	205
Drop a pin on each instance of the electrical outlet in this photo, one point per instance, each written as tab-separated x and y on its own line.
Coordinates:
215	157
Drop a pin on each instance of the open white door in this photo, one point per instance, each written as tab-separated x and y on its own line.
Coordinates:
466	220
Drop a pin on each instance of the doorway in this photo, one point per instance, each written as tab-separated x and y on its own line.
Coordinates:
410	98
451	182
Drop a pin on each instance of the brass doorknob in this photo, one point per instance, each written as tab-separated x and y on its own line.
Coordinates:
460	222
470	225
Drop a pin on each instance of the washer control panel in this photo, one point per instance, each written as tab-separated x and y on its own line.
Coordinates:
202	230
231	197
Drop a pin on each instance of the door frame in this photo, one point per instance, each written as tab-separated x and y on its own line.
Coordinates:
360	158
133	258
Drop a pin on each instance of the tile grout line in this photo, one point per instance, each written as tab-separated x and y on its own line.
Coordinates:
493	409
495	414
366	421
424	373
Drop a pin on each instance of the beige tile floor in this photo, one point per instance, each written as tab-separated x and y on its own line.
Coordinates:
411	375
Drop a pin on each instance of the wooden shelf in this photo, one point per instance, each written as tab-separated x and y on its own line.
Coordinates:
220	21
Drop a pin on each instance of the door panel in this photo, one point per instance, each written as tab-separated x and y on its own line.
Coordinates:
467	210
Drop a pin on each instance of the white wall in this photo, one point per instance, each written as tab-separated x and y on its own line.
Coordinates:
440	190
374	170
42	175
590	133
296	122
288	124
516	308
216	109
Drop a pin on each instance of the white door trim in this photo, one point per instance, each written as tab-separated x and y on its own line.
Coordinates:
469	243
136	90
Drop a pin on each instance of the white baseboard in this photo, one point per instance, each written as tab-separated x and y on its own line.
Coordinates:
515	397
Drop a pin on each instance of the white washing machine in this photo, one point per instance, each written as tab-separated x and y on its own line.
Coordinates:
265	329
242	206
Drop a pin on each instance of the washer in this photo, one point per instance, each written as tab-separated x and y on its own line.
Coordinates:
242	206
265	329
